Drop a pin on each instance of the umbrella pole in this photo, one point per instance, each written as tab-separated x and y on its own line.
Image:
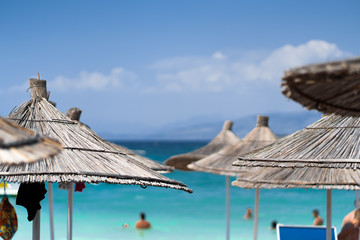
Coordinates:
256	212
36	226
51	210
357	199
328	214
70	212
227	207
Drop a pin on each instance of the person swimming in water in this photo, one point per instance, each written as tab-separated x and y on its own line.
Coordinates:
142	223
318	220
273	225
248	214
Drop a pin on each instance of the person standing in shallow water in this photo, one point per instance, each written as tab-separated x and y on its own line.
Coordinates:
142	223
318	220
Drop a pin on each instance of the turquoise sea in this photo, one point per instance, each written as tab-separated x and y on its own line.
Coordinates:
101	210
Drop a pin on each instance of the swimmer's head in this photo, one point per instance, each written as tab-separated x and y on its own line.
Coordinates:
273	224
315	212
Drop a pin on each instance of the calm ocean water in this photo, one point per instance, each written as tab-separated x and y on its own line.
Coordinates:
101	210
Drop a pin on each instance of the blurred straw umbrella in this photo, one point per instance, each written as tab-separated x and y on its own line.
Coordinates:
221	162
332	87
225	138
86	157
324	147
75	113
19	145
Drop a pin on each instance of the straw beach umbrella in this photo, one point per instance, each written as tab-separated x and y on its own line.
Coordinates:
221	162
19	145
332	142
75	113
86	157
332	87
225	138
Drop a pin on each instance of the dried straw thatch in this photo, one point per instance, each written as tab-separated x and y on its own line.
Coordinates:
225	138
306	177
20	145
221	162
332	87
86	157
157	167
75	113
331	142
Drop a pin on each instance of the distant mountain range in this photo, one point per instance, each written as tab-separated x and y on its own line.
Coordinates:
206	128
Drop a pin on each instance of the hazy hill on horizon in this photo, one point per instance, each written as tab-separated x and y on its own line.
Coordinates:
206	128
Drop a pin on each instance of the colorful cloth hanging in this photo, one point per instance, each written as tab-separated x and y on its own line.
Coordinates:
8	219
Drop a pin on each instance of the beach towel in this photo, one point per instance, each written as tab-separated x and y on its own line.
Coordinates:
8	219
29	196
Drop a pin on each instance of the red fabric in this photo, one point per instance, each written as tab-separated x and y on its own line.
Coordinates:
79	187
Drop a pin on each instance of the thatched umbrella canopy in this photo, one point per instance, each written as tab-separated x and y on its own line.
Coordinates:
332	87
19	145
221	162
225	138
75	113
86	157
326	154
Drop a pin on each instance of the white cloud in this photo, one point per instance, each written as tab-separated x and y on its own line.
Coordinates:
214	73
272	67
218	55
117	78
219	71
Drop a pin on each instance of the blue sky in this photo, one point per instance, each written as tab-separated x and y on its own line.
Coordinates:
150	63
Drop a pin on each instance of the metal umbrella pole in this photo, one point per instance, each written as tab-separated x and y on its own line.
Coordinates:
227	207
51	210
70	212
256	212
328	214
36	226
